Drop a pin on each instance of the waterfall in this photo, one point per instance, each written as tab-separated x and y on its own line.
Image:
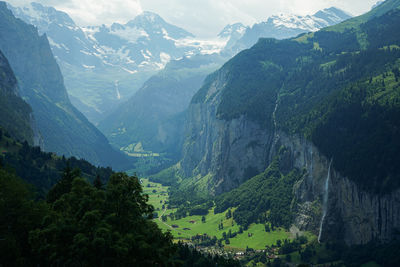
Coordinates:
276	135
325	201
117	89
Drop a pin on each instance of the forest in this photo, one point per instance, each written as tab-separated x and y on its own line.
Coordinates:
86	224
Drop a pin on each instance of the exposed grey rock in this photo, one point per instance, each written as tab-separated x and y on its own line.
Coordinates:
353	214
224	150
230	152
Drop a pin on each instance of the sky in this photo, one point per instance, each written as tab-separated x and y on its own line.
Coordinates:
203	18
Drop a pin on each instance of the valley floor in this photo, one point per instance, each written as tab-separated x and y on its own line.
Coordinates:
255	237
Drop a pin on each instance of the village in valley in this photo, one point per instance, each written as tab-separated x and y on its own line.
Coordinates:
218	234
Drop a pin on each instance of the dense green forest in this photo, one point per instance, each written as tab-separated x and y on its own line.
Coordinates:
338	87
42	169
81	224
264	198
350	106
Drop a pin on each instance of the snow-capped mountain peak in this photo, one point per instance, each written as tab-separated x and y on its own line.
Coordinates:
322	18
232	29
41	16
146	18
288	25
291	21
128	53
332	15
153	23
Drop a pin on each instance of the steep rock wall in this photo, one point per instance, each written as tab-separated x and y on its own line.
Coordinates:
353	214
230	152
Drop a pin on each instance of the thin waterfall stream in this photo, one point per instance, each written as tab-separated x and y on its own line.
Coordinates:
325	201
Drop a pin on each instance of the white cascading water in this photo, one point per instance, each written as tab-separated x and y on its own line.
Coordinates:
276	135
325	201
117	89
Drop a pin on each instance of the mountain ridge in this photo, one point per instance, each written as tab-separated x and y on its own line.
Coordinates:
15	114
130	126
104	65
284	26
246	113
64	129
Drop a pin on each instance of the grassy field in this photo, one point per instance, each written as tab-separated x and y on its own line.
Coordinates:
158	194
259	238
255	237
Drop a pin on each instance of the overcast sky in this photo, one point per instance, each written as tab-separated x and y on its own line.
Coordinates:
204	18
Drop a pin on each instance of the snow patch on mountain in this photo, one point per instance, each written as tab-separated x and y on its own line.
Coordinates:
130	34
232	29
378	4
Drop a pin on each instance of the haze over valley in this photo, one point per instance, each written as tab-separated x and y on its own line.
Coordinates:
159	139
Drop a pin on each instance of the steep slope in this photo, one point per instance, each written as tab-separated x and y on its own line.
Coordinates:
288	25
232	32
104	66
329	97
152	116
64	129
40	169
15	113
146	117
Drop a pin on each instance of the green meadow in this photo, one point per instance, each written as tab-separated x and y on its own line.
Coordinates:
254	237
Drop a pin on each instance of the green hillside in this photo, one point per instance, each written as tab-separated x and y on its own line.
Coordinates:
64	129
42	169
338	87
15	114
154	116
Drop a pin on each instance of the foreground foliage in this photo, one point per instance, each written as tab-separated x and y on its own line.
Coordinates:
114	223
86	226
81	224
42	169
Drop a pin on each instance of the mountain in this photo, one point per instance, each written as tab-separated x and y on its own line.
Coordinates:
64	129
104	66
377	4
147	118
288	25
233	33
153	116
15	114
318	114
42	170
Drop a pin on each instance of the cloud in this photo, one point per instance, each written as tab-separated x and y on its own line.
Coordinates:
204	18
93	12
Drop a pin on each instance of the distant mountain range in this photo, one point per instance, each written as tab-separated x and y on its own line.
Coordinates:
105	65
153	116
284	26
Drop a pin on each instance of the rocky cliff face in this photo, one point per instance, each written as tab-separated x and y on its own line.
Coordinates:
236	121
15	113
227	152
230	152
352	214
